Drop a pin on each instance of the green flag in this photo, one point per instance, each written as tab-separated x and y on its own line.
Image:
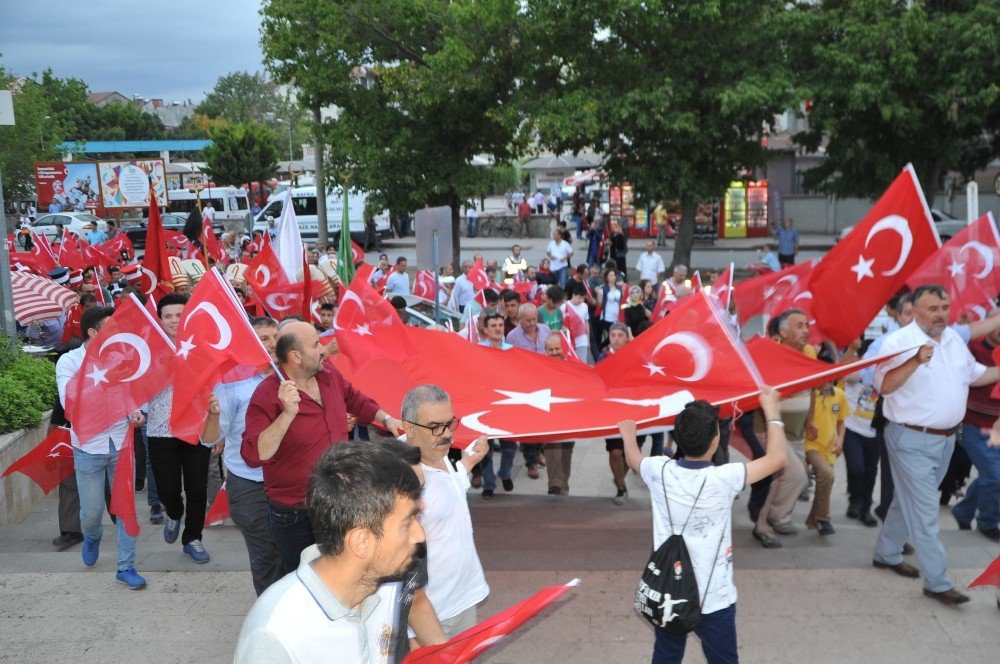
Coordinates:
345	255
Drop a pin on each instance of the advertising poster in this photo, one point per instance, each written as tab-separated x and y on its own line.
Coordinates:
67	186
127	184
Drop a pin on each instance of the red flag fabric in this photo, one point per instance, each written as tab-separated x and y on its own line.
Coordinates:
567	347
722	288
664	298
696	284
307	291
266	277
573	324
858	276
471	331
158	280
423	284
990	576
69	252
368	326
384	279
41	252
117	247
213	338
478	277
126	364
98	289
365	270
219	511
474	641
49	462
968	266
213	248
123	486
357	253
771	293
71	329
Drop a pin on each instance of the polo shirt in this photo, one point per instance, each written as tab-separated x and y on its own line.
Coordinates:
298	619
935	395
315	428
710	523
551	319
519	339
503	344
829	409
455	578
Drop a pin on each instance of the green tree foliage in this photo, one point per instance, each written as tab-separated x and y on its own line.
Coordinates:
892	82
676	94
421	87
31	139
241	153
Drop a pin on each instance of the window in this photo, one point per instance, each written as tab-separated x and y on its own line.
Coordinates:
304	205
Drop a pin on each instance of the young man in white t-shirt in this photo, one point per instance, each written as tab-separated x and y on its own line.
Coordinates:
693	483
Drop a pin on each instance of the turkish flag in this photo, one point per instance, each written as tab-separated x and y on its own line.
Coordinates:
49	462
664	299
157	279
471	331
474	641
858	276
123	485
368	326
567	347
98	290
176	242
125	365
43	257
357	253
696	284
423	284
69	252
722	288
71	328
219	511
990	576
573	323
478	277
213	248
307	291
266	277
968	266
117	247
772	293
383	280
214	337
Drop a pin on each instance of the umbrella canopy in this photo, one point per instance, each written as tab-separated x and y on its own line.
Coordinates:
39	298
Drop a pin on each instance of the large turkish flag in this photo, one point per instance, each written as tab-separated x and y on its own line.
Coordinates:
770	294
859	275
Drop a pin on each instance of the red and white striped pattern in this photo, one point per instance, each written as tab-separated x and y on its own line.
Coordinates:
39	298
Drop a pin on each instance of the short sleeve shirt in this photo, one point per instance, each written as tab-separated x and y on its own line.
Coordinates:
828	411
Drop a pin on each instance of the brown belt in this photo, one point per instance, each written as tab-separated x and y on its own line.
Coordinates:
934	432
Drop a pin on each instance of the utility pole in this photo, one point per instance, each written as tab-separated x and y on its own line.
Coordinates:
322	232
7	325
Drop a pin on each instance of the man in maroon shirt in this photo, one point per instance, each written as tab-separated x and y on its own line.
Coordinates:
290	424
982	498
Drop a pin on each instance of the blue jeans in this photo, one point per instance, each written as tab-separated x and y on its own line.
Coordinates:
919	462
717	631
982	498
291	531
578	219
530	453
472	226
92	471
508	449
655	443
152	498
561	274
861	456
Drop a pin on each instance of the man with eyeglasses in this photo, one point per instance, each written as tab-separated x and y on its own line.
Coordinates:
456	582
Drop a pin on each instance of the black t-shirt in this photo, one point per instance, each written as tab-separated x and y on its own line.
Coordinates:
414	580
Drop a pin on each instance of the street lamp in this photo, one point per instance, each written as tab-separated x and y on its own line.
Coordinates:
289	123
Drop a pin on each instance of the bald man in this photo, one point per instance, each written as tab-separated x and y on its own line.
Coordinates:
291	421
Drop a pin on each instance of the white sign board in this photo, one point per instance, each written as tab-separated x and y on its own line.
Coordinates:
6	108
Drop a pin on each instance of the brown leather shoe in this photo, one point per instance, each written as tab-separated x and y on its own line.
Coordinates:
949	597
902	569
533	472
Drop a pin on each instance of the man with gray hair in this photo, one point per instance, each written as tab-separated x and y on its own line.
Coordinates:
456	582
528	334
678	281
463	292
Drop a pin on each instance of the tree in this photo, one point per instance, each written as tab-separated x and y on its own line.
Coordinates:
33	138
242	153
420	88
674	94
241	97
892	82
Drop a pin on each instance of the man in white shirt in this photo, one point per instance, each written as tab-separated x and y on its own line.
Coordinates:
364	505
559	252
463	292
398	282
694	498
925	392
456	583
208	212
227	409
471	219
95	461
650	264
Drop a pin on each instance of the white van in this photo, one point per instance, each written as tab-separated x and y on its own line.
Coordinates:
304	200
231	204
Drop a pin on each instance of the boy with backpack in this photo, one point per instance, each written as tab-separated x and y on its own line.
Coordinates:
692	530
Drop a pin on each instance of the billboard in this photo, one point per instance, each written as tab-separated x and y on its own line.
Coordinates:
67	186
127	183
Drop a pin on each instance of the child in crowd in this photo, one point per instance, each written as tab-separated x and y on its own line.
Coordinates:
824	441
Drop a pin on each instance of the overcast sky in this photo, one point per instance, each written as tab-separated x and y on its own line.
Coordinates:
173	50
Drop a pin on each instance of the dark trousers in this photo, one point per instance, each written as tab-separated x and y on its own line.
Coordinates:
530	453
886	486
248	510
181	467
861	455
759	489
717	631
291	531
959	468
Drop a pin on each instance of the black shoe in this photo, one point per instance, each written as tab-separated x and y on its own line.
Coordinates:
907	549
993	534
768	541
620	497
881	513
555	491
156	514
825	528
962	525
66	540
508	485
868	520
140	483
853	512
487	494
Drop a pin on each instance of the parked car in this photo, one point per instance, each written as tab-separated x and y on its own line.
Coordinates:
947	225
136	229
421	312
71	221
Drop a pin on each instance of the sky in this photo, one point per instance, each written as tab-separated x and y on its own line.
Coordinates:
174	50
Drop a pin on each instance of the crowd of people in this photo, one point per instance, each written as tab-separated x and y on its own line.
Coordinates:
352	541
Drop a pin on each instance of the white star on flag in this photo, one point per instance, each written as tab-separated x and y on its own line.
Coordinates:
363	330
654	369
863	268
97	375
186	347
540	399
956	268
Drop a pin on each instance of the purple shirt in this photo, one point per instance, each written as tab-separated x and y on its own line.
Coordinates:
519	339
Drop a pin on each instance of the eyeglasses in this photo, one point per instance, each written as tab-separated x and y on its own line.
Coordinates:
437	429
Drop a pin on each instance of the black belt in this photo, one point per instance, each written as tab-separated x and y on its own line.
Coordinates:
931	430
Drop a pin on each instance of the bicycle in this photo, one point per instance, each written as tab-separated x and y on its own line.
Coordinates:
504	226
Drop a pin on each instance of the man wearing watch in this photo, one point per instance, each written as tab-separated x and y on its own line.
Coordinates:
290	422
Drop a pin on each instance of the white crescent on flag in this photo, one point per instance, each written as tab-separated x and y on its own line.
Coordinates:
140	346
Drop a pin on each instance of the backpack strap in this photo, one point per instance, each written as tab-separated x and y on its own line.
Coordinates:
666	501
715	560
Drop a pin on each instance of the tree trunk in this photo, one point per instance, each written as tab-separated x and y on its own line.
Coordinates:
931	185
323	235
456	221
685	237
